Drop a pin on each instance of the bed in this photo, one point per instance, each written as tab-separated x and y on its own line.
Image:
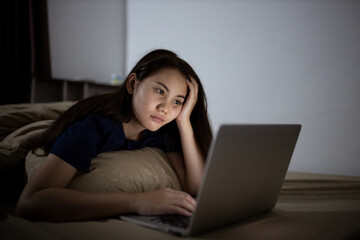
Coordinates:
310	206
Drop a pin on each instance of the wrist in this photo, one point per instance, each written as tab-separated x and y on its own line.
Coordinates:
183	123
138	204
128	202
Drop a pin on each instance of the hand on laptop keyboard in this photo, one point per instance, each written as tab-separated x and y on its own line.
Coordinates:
165	201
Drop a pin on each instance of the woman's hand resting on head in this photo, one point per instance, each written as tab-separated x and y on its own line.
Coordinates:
190	101
165	201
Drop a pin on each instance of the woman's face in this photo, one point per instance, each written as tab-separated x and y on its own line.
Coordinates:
158	99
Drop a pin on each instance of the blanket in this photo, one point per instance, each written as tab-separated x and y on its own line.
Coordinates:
20	126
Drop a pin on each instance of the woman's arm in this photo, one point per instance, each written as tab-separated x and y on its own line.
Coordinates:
46	197
192	157
189	167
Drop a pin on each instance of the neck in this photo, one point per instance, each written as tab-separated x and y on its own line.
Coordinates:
133	131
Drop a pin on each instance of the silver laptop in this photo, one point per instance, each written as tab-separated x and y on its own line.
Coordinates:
244	172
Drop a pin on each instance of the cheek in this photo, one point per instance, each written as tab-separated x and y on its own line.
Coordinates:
176	112
141	101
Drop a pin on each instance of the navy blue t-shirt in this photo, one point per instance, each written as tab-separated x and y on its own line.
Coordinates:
87	138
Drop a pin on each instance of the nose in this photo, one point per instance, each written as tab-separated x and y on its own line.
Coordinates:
163	107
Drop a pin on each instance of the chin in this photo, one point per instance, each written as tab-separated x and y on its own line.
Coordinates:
154	128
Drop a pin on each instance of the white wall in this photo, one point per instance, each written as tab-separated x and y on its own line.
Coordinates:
87	38
268	62
261	61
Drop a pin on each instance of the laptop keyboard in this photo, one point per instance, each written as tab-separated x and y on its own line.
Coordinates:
174	220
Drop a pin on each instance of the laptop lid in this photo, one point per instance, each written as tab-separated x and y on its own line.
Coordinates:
245	169
244	172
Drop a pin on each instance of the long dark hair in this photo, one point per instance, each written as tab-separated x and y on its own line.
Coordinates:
117	104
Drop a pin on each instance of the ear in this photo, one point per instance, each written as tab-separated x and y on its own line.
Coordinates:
131	83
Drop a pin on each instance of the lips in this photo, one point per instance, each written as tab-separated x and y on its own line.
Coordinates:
157	119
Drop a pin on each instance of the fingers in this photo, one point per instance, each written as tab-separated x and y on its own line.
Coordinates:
188	203
181	203
166	201
194	88
190	102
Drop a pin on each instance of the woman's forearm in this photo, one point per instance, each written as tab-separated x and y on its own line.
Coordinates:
193	159
61	204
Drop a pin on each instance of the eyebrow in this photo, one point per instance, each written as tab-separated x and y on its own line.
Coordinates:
167	89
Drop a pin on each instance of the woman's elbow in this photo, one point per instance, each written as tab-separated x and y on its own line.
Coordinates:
24	208
21	210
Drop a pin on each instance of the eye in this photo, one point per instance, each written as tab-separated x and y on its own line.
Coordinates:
159	91
177	102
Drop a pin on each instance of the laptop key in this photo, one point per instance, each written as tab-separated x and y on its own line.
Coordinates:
174	220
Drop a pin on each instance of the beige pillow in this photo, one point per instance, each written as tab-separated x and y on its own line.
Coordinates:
134	171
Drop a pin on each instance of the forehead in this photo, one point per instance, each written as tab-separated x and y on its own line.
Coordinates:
172	78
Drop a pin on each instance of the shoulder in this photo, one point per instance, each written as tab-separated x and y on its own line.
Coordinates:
94	118
86	138
97	121
93	127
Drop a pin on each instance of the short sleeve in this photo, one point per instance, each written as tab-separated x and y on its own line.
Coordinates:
79	143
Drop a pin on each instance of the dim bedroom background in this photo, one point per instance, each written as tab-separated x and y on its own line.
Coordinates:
260	62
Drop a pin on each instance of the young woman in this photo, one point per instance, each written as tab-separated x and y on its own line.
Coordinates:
161	104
